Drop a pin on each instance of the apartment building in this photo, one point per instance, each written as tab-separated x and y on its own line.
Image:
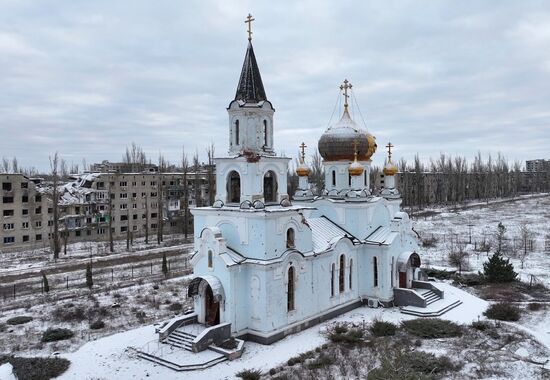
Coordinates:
132	204
534	166
26	214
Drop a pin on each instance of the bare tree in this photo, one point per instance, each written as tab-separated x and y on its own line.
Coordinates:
185	172
110	225
54	166
14	165
197	183
210	174
135	156
317	172
458	257
5	165
525	235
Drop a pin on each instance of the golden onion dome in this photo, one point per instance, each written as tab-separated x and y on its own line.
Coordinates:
336	144
390	169
302	170
356	169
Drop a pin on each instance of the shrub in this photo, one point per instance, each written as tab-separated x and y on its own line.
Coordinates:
498	269
429	242
99	324
535	306
322	361
176	306
37	368
249	374
19	320
56	334
382	328
432	328
301	358
352	336
229	344
69	314
470	279
437	273
411	365
503	311
481	325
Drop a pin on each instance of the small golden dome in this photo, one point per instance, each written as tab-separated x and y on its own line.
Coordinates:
302	170
390	169
356	169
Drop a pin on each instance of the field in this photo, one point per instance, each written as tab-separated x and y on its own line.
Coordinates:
474	228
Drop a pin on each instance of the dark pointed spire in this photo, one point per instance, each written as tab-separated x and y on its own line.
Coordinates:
250	88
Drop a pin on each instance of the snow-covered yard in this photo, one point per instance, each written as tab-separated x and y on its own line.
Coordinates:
446	227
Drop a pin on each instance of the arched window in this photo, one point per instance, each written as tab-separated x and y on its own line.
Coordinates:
333	177
210	263
290	289
236	132
265	133
290	238
234	187
332	269
350	273
391	271
365	178
270	187
342	275
375	271
349	179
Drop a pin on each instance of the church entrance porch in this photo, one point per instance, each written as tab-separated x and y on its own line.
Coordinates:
406	264
208	294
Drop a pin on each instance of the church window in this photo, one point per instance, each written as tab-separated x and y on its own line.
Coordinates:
265	133
365	178
290	238
290	289
342	275
270	187
375	269
349	179
333	177
236	132
350	273
332	270
210	263
391	271
234	187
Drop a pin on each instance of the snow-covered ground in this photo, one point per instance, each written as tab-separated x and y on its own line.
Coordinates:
112	360
447	226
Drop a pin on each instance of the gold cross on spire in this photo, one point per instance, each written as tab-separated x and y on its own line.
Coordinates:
248	21
389	146
303	147
345	87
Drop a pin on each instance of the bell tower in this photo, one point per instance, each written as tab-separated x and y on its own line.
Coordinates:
252	173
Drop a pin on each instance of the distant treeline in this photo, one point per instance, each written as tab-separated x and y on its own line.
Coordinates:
450	180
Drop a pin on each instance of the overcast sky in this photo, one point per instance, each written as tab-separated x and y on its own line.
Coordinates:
86	78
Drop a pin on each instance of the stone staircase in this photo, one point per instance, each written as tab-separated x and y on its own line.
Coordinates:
429	295
181	339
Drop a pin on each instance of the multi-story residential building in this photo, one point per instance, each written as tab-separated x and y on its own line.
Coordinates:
140	204
25	213
122	167
540	165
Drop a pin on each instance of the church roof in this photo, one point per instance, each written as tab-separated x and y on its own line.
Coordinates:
325	233
250	88
381	236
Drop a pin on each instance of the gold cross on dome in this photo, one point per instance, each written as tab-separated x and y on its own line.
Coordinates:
248	21
303	147
345	87
389	146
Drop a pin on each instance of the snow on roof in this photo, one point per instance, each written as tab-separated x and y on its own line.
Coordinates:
381	236
325	233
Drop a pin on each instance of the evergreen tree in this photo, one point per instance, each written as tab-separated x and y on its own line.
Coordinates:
499	269
45	283
164	265
89	279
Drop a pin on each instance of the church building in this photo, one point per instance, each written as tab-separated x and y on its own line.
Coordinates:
270	263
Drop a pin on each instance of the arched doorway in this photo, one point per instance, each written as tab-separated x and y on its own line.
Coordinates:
211	308
406	263
270	187
234	187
